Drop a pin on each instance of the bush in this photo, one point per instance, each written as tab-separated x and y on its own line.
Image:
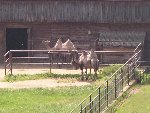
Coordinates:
109	70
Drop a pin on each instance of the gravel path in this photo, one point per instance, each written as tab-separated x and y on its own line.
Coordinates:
43	83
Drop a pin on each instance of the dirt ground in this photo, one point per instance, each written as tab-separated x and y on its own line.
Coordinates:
44	83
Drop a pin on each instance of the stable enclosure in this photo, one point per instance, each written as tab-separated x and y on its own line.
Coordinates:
29	22
114	28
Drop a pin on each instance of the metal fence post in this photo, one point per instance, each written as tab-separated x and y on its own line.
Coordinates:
99	91
128	77
10	61
107	93
90	104
81	109
50	62
85	110
5	63
122	78
134	72
115	87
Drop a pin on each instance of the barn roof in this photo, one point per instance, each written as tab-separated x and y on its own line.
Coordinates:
117	38
96	11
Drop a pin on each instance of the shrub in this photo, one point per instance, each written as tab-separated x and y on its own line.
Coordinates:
109	70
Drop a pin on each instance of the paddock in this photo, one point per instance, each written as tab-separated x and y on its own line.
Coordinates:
46	61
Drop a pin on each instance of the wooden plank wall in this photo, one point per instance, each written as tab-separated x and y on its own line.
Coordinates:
2	42
95	11
77	33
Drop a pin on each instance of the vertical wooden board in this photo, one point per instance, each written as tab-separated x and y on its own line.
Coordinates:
2	44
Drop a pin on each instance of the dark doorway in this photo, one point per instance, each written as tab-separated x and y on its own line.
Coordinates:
16	39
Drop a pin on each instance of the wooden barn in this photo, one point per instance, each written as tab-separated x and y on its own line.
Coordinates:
25	23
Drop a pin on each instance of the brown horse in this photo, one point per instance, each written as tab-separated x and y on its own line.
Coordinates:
86	60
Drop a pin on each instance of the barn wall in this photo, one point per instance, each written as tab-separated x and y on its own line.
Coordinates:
74	19
2	42
95	11
77	32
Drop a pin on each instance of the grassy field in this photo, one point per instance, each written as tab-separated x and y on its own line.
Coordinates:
60	100
138	102
102	73
54	100
22	77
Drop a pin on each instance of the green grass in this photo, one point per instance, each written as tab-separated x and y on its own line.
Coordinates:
54	100
109	70
137	103
60	100
103	73
21	77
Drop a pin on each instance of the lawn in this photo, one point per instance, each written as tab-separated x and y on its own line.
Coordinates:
54	100
137	103
104	73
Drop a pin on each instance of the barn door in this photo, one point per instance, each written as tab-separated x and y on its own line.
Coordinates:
17	39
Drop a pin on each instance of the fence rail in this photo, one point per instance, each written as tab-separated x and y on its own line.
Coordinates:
42	57
104	95
100	99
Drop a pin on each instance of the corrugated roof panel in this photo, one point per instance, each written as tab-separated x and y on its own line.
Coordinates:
122	38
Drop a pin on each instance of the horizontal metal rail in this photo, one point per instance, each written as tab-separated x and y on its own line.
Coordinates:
9	58
30	57
66	51
115	83
43	63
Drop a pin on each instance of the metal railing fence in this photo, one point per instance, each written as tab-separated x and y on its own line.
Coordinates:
106	93
35	57
42	57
